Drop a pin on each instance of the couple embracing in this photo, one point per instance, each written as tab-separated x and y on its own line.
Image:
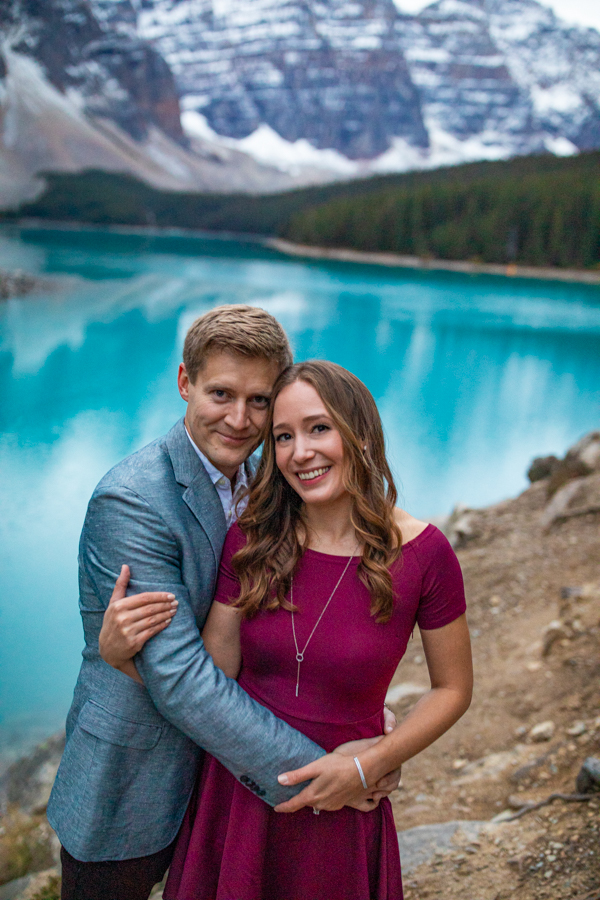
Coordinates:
228	722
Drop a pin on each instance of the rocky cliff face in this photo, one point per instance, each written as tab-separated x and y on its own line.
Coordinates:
465	85
108	72
80	88
558	67
330	72
463	79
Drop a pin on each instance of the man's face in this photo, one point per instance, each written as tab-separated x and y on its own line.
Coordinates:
227	407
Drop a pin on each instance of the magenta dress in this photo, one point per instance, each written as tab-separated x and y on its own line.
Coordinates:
232	845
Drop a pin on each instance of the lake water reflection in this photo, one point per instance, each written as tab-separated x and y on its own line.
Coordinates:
474	375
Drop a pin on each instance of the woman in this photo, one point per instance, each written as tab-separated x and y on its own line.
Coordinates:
321	583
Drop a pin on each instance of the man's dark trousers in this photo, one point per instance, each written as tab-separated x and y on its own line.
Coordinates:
126	879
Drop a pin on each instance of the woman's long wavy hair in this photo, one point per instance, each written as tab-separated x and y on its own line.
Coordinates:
273	521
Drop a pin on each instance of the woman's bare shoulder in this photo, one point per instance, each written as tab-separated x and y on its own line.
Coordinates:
409	526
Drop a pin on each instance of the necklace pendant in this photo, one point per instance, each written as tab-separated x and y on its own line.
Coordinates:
300	653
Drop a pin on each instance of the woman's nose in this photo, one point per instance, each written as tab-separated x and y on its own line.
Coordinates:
302	450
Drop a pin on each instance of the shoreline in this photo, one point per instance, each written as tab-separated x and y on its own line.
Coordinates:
394	260
307	251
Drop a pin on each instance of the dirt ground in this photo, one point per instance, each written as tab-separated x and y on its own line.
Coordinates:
519	578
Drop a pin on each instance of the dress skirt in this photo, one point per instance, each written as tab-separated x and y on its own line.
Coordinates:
233	846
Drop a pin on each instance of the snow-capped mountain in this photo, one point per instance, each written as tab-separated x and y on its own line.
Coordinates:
464	79
262	95
81	88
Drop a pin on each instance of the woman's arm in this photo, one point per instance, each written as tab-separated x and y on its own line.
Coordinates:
335	778
221	635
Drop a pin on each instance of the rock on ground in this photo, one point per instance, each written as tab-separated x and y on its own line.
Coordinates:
422	844
28	782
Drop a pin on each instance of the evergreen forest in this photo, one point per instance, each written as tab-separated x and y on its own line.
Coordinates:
537	210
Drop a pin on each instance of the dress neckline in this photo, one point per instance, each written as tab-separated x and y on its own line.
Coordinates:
334	556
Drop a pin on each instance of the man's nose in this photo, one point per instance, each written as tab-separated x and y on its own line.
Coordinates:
237	416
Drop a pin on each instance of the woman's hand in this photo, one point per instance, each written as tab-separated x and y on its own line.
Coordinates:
335	783
385	785
130	621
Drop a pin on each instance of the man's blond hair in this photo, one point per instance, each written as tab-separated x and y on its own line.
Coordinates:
237	329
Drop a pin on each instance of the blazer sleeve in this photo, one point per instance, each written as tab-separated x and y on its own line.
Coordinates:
179	674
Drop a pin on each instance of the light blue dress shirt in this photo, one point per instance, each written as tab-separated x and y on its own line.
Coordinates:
233	507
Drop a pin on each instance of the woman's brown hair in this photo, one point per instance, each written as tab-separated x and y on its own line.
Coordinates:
272	522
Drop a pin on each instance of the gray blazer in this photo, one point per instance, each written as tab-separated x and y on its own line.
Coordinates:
132	751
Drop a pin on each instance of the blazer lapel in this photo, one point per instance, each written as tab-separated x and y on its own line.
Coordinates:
201	496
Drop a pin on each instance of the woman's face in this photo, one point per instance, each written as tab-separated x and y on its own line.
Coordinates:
308	447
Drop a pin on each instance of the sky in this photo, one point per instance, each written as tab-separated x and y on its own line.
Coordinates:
577	12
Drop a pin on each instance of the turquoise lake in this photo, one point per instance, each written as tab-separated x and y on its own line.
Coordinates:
474	376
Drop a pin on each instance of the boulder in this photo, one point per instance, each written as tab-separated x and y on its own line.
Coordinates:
582	459
542	467
544	731
578	497
587	451
421	844
495	766
588	780
43	884
554	631
460	526
28	782
13	889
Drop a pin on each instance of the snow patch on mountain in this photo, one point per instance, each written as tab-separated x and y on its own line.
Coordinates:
560	146
302	161
270	149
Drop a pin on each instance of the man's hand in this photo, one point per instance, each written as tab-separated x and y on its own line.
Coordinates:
389	720
130	621
335	783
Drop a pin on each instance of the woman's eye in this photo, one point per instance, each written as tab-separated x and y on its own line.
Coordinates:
321	428
282	437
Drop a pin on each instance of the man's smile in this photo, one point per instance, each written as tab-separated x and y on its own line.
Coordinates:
233	439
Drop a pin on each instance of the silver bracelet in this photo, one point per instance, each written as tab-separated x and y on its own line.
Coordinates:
361	773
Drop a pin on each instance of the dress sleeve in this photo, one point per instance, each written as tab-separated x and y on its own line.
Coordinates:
228	583
443	592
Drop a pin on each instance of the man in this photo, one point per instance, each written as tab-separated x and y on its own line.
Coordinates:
133	748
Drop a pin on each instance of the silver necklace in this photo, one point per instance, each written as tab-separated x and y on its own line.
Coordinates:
300	653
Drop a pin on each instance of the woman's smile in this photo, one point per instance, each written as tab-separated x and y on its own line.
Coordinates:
313	475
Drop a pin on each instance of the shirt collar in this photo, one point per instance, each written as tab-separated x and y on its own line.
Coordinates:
215	474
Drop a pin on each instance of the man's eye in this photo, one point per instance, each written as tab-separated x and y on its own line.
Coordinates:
219	394
261	401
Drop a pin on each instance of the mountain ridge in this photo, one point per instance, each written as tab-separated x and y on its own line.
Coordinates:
478	78
272	94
